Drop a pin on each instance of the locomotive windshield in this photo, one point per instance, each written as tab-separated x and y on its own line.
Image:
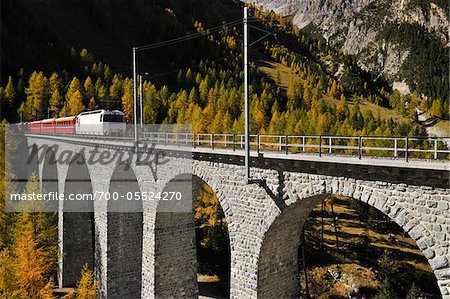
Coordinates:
113	118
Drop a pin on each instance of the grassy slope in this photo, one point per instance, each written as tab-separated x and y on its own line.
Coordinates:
273	69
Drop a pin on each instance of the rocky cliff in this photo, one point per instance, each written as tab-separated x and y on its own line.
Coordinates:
362	27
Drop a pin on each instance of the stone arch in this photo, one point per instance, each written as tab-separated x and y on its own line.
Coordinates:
78	222
124	234
175	264
277	262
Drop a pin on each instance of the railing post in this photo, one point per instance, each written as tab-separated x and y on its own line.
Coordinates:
193	140
258	143
212	141
435	149
303	143
234	142
178	139
329	150
359	147
281	146
287	144
165	139
406	149
395	148
320	146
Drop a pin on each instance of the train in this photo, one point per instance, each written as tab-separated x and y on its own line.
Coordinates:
97	122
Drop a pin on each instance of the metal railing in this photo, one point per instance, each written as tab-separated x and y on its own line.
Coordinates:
396	147
373	146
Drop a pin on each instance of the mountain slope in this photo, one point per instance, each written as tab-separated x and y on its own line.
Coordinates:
385	36
38	34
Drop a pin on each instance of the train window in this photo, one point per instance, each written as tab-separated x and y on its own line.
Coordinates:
101	118
113	118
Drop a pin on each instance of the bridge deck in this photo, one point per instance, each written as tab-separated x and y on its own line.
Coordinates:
237	152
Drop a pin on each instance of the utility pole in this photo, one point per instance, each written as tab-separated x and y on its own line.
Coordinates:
141	97
135	98
246	102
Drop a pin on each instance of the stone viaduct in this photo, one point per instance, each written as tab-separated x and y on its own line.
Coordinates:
152	254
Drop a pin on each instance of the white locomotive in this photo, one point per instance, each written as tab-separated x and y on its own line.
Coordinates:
101	122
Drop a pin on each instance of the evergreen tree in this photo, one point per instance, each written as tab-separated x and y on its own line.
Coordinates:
152	103
333	89
342	109
189	77
204	89
193	96
37	97
307	98
386	291
30	264
89	88
196	119
9	93
47	291
292	91
414	292
101	90
55	103
87	287
92	104
115	90
21	112
54	83
107	74
127	100
74	86
217	124
86	57
180	78
75	105
8	280
207	207
436	108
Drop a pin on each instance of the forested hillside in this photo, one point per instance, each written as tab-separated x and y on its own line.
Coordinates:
62	57
39	35
404	41
68	63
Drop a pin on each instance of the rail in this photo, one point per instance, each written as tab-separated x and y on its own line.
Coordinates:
373	146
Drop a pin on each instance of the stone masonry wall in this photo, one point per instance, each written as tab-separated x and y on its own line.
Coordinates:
264	221
423	212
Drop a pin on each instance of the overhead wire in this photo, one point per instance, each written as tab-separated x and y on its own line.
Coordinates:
188	37
197	35
200	34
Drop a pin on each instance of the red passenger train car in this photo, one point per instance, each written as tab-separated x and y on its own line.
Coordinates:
53	125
